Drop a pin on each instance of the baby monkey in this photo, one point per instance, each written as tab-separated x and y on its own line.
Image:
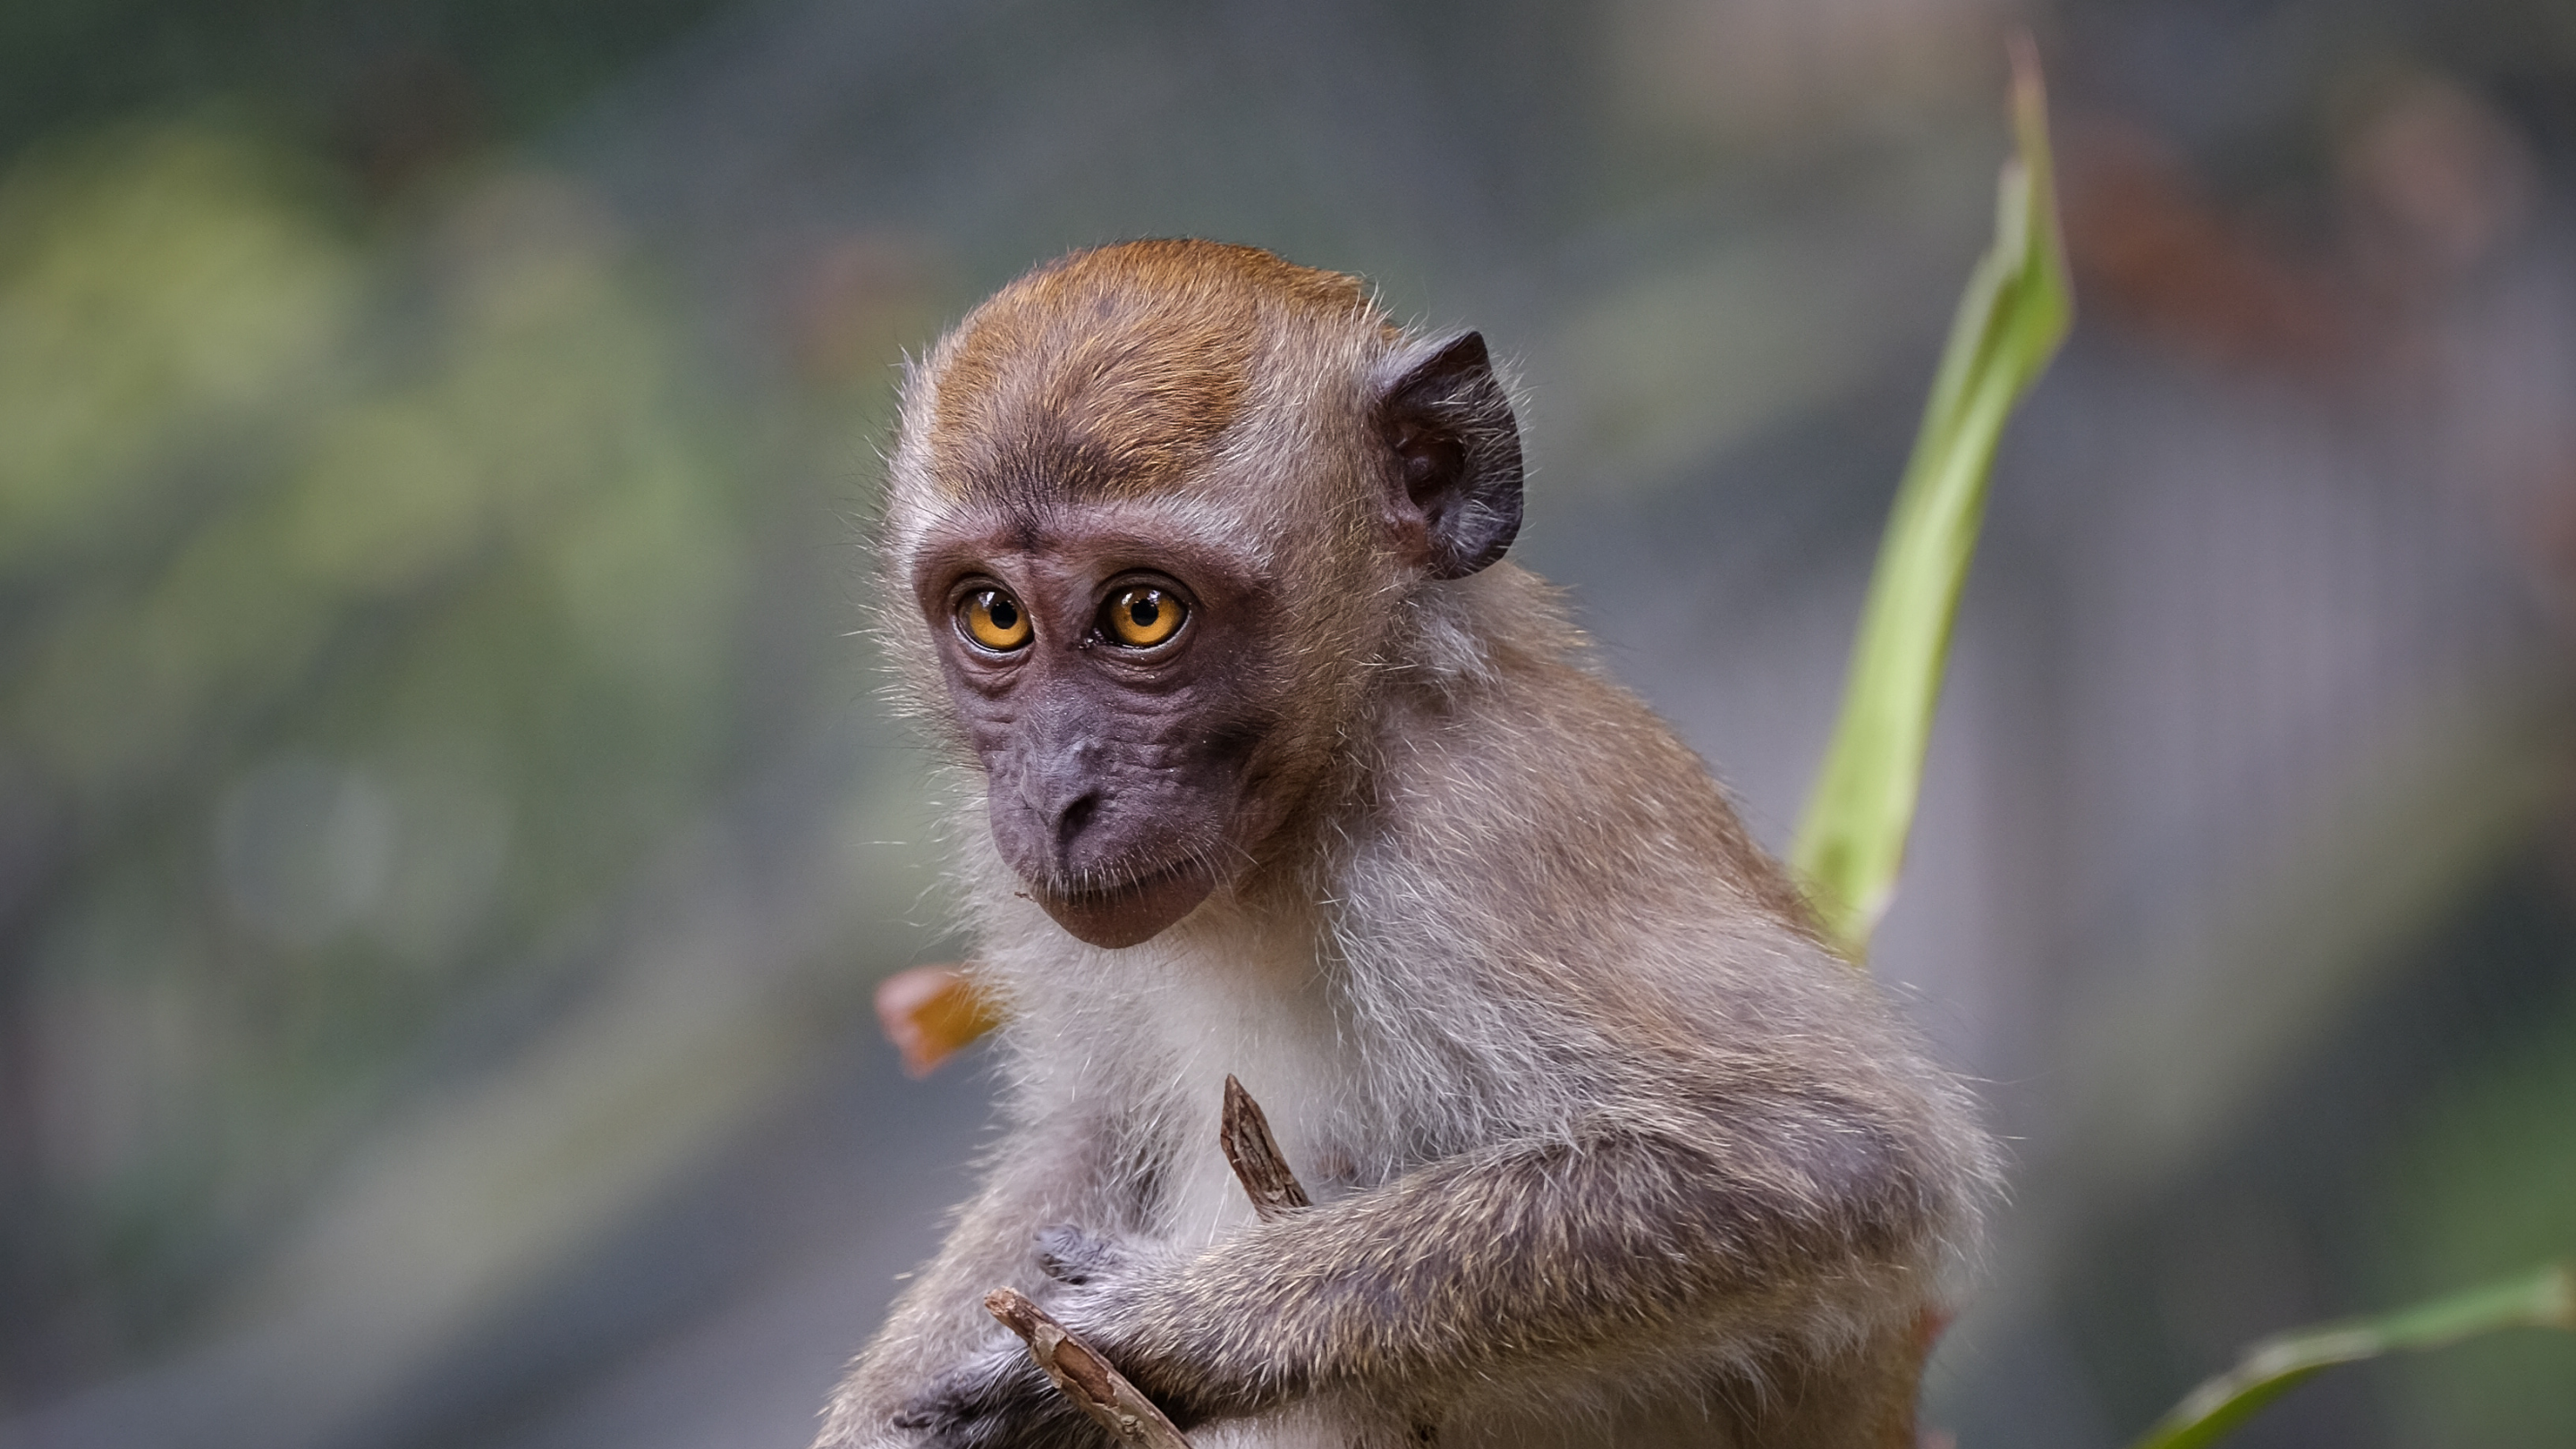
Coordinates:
1194	559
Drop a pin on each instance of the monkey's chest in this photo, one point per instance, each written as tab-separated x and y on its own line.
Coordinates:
1271	1026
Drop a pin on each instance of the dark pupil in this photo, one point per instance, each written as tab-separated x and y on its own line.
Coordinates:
1145	608
1002	613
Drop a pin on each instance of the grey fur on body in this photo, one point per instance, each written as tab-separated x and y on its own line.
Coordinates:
1605	1146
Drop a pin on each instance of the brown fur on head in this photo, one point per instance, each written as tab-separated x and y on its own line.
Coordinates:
1116	372
1251	438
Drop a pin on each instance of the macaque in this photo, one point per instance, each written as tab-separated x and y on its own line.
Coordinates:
1274	768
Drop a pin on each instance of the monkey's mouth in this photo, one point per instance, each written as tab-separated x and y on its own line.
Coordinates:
1127	912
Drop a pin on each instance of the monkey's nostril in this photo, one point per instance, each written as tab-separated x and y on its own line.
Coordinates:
1074	819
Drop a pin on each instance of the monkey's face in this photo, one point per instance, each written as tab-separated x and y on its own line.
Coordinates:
1153	503
1112	676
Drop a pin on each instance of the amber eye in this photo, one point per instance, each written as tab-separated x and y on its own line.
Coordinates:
994	620
1142	617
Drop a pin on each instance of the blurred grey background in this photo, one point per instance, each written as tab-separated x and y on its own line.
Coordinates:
449	834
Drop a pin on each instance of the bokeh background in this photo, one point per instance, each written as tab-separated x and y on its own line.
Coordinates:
449	833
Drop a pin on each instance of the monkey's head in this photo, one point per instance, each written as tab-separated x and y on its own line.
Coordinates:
1157	512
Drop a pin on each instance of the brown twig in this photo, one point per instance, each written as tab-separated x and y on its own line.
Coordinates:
1254	1155
1084	1376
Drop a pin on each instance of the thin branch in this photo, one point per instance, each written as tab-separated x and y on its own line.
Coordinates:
1254	1155
1084	1376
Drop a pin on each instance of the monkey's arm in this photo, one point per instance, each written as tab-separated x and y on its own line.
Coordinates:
1806	1221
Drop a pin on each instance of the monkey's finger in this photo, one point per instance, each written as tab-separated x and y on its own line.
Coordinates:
1070	1255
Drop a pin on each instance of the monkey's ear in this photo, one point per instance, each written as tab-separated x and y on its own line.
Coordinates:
1456	491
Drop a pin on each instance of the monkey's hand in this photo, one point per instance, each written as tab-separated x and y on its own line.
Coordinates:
999	1397
1096	1281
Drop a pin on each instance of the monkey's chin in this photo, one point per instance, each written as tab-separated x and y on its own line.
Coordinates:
1126	917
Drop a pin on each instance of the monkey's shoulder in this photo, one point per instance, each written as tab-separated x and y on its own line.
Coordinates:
1570	803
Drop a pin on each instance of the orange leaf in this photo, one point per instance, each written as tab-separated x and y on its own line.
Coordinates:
929	1012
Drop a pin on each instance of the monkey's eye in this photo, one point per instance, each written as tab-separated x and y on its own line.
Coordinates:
1142	616
994	620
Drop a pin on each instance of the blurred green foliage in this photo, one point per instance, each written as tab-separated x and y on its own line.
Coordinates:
393	82
367	615
2484	1181
2541	1298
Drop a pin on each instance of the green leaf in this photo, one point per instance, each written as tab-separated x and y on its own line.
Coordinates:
2542	1299
2016	311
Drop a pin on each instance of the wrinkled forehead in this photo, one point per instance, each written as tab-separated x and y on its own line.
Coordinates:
1198	533
1118	374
